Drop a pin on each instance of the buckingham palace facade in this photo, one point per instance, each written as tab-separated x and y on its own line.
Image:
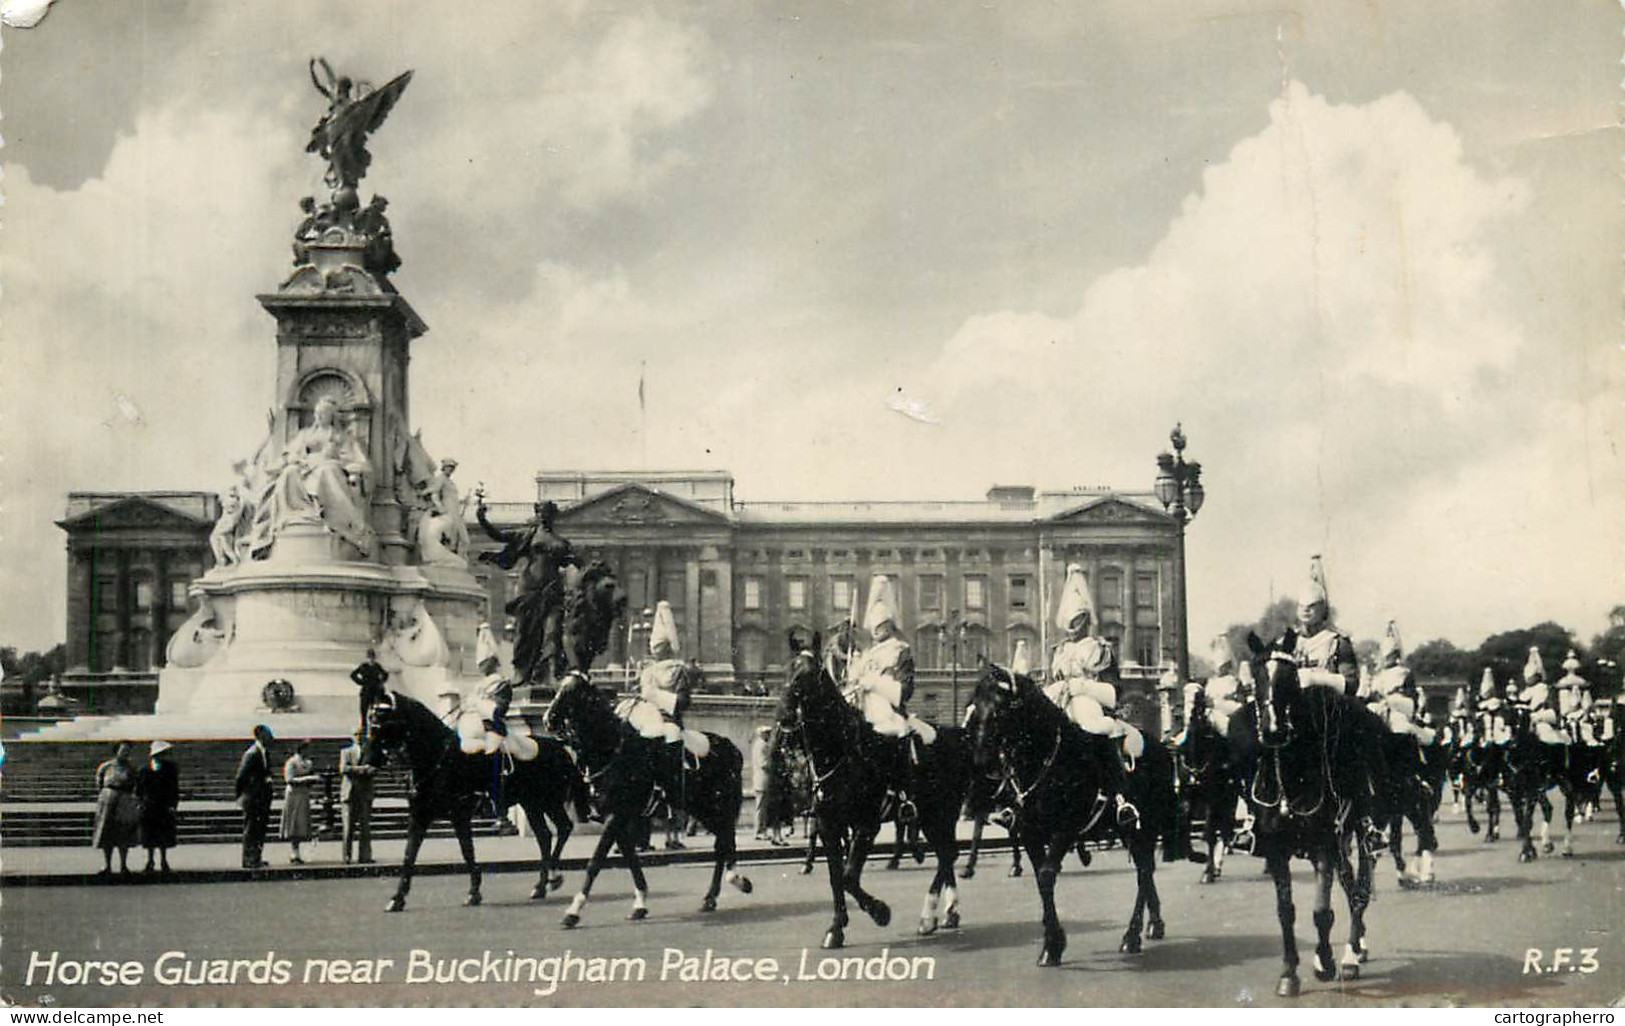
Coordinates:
973	577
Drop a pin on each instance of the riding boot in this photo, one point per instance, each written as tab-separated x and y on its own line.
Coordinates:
1117	773
902	777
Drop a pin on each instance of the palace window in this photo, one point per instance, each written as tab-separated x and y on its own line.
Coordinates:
143	594
674	588
796	593
928	648
1018	592
177	594
1148	646
975	592
840	590
753	593
752	651
931	592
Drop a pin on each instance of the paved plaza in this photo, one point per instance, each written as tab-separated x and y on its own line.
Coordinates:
1465	940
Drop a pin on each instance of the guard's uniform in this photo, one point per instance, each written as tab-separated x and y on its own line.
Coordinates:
654	710
883	676
1493	728
1081	673
1393	692
1536	697
1326	659
1574	703
1223	690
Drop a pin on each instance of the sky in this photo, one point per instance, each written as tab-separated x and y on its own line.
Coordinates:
1367	254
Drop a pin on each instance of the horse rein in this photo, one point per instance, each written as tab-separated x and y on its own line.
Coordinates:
1018	792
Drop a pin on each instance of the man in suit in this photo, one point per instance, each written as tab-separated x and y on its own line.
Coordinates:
370	678
254	796
355	799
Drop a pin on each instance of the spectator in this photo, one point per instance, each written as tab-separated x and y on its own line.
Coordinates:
370	678
761	751
254	796
158	788
299	773
355	799
118	816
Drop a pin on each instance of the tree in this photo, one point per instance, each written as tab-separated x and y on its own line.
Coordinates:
1507	651
1440	660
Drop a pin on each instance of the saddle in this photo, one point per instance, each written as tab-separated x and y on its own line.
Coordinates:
476	737
651	723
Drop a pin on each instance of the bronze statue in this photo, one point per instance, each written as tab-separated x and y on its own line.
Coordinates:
354	110
538	610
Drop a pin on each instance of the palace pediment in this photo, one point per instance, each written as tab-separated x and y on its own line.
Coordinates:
1111	510
633	505
140	512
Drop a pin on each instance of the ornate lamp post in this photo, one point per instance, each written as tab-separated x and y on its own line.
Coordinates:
1179	489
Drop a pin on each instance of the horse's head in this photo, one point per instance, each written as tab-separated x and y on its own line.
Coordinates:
1275	686
571	706
387	729
998	693
803	672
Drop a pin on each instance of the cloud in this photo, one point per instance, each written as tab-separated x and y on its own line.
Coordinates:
1326	317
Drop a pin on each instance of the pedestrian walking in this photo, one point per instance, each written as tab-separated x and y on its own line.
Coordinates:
118	815
299	773
254	796
355	799
158	790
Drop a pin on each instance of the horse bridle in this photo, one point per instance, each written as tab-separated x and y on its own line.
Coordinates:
799	727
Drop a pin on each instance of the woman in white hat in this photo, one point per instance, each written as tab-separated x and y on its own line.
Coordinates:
662	689
158	789
1081	675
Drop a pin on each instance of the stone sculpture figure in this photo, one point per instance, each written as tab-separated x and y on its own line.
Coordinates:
321	477
223	539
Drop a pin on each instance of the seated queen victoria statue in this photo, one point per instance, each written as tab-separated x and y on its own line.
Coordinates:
321	477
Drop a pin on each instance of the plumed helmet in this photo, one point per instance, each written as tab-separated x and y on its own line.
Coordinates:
1314	589
1486	684
1533	668
1390	642
665	628
1074	599
1219	653
1021	661
882	604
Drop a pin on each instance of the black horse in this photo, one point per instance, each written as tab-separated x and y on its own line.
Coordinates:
850	792
631	774
1211	772
1531	768
1480	764
449	784
1419	777
1059	793
1307	801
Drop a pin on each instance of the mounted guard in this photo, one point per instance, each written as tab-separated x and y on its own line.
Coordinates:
482	724
1325	658
1082	673
1394	693
1574	703
880	686
1493	726
1536	698
1224	694
664	687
